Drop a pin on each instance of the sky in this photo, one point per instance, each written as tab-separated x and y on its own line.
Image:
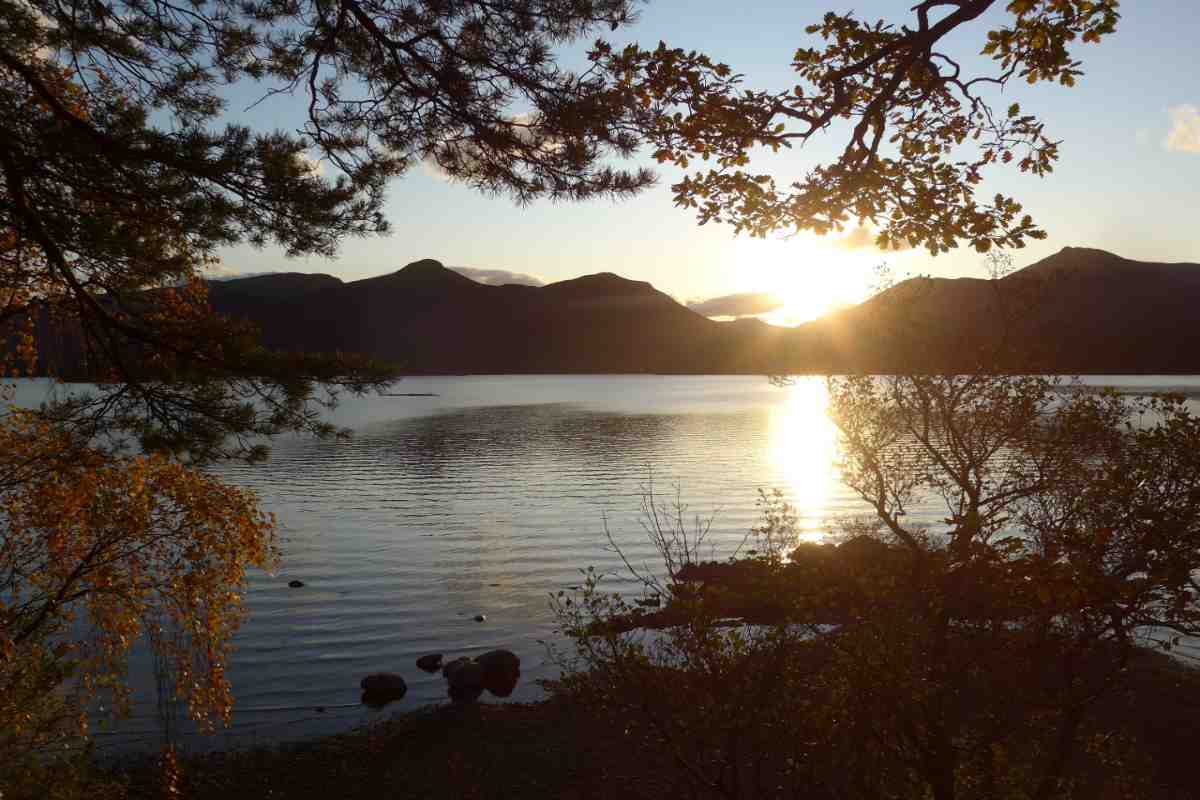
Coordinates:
1127	181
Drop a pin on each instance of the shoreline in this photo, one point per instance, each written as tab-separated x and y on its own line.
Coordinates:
553	748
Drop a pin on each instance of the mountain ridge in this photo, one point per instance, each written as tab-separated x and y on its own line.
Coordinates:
1078	310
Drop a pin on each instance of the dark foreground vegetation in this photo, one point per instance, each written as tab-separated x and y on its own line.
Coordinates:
563	748
999	652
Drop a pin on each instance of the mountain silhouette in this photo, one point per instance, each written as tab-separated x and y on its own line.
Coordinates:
1080	310
430	319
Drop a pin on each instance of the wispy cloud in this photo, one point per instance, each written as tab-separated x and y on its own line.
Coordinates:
745	304
1184	136
498	277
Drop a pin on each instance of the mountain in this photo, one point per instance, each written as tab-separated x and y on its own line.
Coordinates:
1079	310
431	319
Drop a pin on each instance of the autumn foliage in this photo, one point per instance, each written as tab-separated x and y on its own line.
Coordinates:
98	548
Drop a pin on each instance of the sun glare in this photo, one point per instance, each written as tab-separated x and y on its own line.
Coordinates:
803	449
809	275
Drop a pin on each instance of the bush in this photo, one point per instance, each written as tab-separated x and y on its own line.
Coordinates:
961	662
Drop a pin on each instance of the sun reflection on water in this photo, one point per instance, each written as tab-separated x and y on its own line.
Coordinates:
803	451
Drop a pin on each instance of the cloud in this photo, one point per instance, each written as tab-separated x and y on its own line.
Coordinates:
1184	136
863	238
745	304
498	277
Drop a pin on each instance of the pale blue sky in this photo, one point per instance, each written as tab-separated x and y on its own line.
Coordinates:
1118	185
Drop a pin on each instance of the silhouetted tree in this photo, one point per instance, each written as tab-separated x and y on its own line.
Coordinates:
118	176
962	660
119	182
919	127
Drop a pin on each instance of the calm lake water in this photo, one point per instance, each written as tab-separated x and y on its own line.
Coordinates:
485	499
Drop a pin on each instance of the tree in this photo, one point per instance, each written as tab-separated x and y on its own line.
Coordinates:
117	178
98	551
120	182
962	661
919	127
1072	535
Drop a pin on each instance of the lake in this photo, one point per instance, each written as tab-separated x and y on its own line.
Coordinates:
485	498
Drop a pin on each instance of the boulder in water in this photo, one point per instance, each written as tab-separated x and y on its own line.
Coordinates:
430	663
466	681
450	667
501	670
381	688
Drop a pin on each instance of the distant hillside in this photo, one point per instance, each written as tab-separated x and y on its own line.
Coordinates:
433	320
1079	310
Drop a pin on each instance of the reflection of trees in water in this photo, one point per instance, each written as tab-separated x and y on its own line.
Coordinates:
557	432
484	439
525	434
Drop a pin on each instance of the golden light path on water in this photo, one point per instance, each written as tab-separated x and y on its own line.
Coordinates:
803	449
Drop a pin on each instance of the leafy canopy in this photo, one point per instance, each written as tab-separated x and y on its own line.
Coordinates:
122	174
919	128
121	177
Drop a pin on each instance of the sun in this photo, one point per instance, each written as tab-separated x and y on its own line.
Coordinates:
809	275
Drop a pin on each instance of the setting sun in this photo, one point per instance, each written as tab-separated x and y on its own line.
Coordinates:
809	275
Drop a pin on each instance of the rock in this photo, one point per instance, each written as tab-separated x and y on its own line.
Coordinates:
295	584
430	663
466	682
451	667
383	682
469	673
505	661
501	671
480	618
381	688
464	694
